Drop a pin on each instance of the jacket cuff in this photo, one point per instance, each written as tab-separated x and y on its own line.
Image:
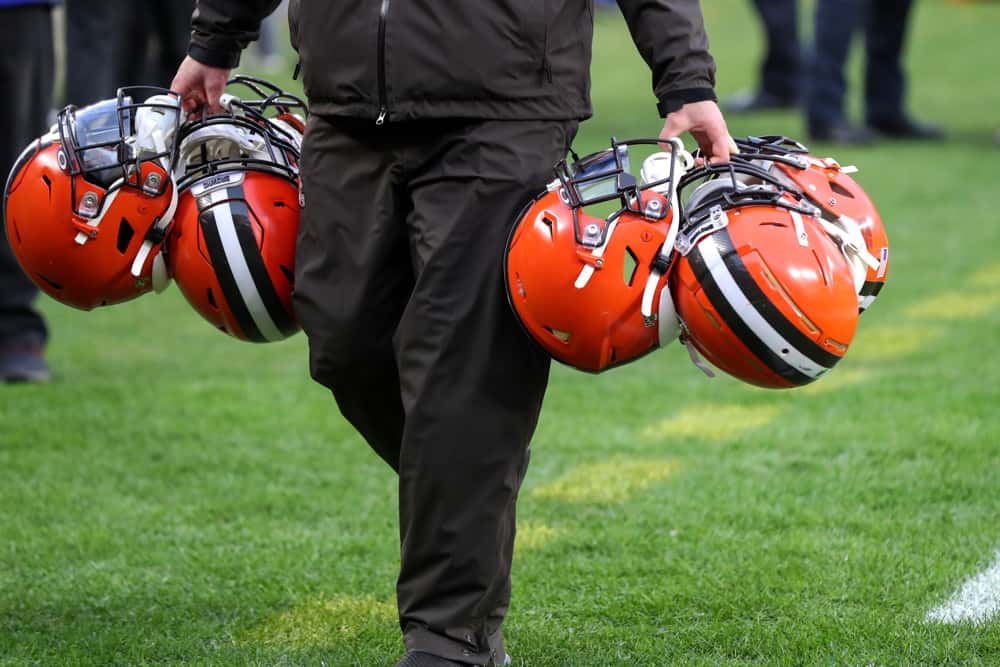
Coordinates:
214	57
675	99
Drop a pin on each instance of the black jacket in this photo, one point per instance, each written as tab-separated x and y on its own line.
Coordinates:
512	59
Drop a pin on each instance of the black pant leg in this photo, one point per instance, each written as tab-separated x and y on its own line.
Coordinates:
835	26
353	274
885	81
100	57
170	24
26	72
781	70
472	383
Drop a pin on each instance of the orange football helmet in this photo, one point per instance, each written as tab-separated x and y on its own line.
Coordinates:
232	249
87	205
848	213
762	291
590	289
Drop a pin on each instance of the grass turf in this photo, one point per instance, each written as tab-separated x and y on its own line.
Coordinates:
177	497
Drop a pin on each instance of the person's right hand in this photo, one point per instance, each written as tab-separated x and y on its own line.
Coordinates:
200	86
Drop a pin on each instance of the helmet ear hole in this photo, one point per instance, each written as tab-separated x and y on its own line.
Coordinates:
125	234
563	336
840	189
630	265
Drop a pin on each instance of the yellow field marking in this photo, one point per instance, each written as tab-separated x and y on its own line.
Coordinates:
712	421
615	480
988	276
322	622
837	379
887	342
534	535
955	305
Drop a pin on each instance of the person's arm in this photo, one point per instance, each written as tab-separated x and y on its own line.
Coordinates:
670	36
220	30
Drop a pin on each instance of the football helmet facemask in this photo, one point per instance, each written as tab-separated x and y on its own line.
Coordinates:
87	205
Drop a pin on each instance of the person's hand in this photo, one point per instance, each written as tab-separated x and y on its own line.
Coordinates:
705	123
200	86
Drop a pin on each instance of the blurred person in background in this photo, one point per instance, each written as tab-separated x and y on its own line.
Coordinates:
26	73
431	124
780	85
110	43
884	23
266	51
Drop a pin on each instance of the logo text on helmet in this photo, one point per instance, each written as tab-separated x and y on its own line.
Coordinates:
215	182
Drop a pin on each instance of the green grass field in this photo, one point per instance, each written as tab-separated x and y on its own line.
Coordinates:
177	497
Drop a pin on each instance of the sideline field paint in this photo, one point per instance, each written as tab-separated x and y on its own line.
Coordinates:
988	276
712	421
836	380
615	480
976	602
322	621
956	305
534	535
892	342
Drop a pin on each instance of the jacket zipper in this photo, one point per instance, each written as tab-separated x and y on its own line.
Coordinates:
546	68
383	111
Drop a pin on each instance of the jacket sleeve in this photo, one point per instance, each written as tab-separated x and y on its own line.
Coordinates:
221	29
670	36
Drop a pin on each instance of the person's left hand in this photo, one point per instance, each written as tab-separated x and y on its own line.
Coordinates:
705	123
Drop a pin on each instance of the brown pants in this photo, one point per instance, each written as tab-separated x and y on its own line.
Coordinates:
399	287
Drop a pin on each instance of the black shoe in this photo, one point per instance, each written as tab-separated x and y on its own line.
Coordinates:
748	101
21	360
905	127
843	134
422	659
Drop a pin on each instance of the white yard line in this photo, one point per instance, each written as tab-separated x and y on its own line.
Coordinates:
976	602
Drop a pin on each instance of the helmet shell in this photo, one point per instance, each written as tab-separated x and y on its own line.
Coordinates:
764	303
82	262
232	253
583	305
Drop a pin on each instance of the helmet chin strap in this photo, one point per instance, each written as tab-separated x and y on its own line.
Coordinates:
155	234
682	161
696	358
846	233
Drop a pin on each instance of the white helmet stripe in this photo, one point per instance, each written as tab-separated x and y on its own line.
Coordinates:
241	272
767	334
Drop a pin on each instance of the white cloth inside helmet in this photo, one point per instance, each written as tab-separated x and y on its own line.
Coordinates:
225	141
294	134
656	167
710	189
156	121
